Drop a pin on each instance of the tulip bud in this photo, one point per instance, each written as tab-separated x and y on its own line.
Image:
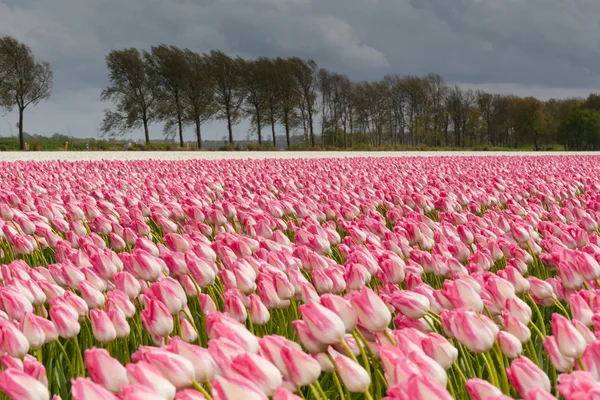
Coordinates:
145	374
411	304
19	385
157	319
259	371
300	368
354	376
558	360
102	327
236	388
480	389
511	346
419	387
440	349
65	320
33	330
570	342
371	310
323	323
12	341
525	376
83	388
105	370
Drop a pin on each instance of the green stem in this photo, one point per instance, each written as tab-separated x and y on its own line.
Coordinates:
315	392
488	363
199	388
335	377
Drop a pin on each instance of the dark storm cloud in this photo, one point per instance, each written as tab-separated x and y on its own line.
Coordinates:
544	47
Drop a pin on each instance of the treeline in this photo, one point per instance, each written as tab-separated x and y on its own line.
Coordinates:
183	88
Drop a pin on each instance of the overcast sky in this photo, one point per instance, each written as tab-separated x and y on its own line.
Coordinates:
545	48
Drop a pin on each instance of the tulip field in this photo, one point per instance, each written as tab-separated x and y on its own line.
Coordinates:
409	278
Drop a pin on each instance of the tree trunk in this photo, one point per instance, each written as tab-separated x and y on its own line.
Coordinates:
258	127
21	132
272	122
146	132
229	127
180	126
287	129
310	125
198	133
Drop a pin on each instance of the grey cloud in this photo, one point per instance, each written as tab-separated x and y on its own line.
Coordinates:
541	46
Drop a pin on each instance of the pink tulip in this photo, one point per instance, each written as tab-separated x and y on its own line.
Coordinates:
145	374
236	388
127	283
354	376
462	295
15	303
323	323
371	310
119	321
525	376
102	326
570	342
189	394
258	370
300	368
519	309
20	385
419	387
83	389
342	308
92	296
513	326
559	361
440	349
480	389
202	362
157	319
105	370
175	368
473	330
411	304
590	358
12	341
35	369
258	312
539	394
511	346
33	330
307	338
284	394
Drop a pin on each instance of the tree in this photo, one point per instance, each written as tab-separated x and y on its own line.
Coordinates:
197	94
304	73
226	78
135	91
23	81
167	64
580	130
287	94
255	83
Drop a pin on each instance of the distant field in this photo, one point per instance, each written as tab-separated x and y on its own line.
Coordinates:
219	155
